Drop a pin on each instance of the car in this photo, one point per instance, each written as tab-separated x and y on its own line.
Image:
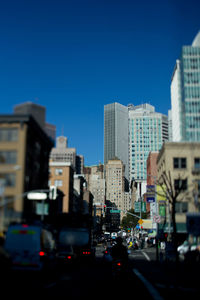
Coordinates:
31	247
107	257
65	255
184	248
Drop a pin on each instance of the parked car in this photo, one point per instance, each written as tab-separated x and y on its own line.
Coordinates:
184	248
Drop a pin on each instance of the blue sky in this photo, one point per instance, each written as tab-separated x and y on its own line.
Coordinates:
75	56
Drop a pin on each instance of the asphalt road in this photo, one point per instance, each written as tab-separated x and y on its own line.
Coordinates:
89	279
94	280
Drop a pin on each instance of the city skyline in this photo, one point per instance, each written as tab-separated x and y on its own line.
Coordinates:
74	58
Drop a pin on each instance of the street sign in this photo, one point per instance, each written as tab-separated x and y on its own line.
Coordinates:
143	206
162	210
53	192
150	189
156	219
114	211
140	221
36	196
140	206
137	206
150	199
42	209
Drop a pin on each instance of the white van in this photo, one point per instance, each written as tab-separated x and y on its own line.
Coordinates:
29	246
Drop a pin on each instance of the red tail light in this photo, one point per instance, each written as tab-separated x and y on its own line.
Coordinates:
41	253
24	225
69	257
119	264
86	252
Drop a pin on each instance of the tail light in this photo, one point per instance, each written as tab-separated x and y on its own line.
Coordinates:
86	252
41	253
24	225
69	257
119	264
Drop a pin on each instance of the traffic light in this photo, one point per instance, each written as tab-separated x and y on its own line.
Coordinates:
53	192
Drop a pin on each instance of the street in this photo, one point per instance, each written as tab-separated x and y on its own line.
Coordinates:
94	278
87	279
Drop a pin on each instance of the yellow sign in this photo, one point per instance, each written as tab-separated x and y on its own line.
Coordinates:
140	221
161	192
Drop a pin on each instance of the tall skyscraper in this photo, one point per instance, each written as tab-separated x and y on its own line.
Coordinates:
116	134
147	132
185	94
115	182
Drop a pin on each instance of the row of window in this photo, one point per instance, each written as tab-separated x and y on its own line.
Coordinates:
192	92
8	157
10	179
191	51
192	122
191	63
8	134
192	107
193	135
56	183
191	77
181	162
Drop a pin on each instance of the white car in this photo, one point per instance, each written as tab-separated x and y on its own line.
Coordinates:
184	248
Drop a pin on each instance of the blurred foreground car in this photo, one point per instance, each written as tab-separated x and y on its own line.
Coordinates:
30	247
65	255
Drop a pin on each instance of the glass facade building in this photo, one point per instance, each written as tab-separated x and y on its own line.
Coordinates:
116	134
185	94
147	132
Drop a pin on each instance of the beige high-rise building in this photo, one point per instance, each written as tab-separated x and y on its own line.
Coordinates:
24	157
115	182
94	176
61	153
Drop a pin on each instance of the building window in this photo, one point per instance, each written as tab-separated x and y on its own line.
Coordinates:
8	157
10	179
58	183
180	184
58	171
197	163
8	134
181	207
180	163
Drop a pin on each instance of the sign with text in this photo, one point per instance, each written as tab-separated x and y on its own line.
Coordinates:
150	199
140	206
161	192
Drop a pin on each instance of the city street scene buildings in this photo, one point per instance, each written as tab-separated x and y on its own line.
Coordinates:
147	191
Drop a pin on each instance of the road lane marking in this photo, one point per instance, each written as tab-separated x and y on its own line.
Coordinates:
146	256
153	292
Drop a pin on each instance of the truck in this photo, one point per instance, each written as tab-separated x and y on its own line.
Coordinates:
79	239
